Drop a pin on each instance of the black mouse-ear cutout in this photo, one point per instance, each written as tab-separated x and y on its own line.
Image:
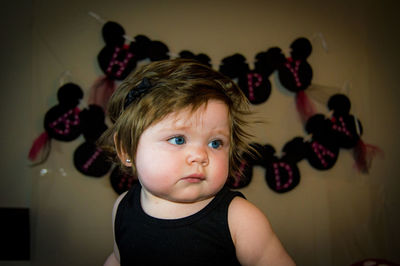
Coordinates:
314	123
113	34
295	150
301	49
234	66
201	58
158	51
267	62
339	104
69	95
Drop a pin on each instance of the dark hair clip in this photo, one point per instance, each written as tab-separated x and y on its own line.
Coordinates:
137	92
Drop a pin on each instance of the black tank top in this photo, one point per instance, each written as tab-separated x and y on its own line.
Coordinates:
199	239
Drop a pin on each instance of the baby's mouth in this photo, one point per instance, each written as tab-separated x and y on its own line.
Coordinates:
194	178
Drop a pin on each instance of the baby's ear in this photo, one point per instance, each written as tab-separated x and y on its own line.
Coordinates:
122	155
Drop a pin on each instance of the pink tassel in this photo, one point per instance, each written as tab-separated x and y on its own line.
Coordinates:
304	106
101	91
38	145
364	154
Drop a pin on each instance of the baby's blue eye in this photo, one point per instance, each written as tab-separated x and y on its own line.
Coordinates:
179	140
215	144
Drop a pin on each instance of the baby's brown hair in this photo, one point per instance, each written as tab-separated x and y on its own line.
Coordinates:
175	85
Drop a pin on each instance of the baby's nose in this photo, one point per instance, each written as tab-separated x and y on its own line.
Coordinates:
198	154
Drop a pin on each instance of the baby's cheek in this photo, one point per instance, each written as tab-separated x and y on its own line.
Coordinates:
154	180
155	170
221	168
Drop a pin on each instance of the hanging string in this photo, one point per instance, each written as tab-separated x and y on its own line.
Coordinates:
126	37
97	17
358	130
324	44
102	21
346	88
49	48
321	93
65	77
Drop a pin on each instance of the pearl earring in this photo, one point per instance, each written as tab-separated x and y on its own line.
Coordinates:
128	161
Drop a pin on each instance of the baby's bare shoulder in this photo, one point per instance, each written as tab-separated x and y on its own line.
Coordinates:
255	241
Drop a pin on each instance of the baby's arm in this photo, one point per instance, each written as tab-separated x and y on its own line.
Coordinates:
255	242
113	259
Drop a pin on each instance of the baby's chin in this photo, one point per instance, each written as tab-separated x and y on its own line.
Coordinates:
190	199
188	192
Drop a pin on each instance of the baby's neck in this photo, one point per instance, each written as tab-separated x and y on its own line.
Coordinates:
164	209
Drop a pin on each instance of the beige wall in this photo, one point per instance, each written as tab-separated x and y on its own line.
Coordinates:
15	107
333	217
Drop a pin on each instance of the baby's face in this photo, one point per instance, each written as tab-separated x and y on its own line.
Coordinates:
185	157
